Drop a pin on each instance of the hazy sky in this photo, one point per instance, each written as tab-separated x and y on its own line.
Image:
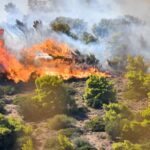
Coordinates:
21	4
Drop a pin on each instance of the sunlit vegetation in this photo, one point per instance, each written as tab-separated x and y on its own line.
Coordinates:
61	122
11	132
50	98
88	38
81	144
138	79
59	142
96	124
98	91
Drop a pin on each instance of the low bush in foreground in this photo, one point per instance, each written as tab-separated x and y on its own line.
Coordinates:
61	122
81	144
96	124
59	142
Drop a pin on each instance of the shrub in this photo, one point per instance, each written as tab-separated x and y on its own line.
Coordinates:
88	38
126	145
59	143
96	124
9	128
138	80
136	131
59	26
61	122
116	116
98	91
81	144
71	132
51	95
28	145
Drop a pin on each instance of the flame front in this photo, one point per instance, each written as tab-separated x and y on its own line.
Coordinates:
49	57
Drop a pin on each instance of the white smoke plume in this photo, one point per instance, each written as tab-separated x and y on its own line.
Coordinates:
116	35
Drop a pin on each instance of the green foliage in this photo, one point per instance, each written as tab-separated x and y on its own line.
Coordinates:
138	80
98	91
136	131
65	143
28	145
126	145
9	128
59	143
96	124
71	132
88	38
60	27
61	122
81	144
116	116
51	95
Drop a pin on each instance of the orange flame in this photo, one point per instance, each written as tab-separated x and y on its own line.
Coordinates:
49	57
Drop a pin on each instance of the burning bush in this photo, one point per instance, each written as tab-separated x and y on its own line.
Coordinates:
98	91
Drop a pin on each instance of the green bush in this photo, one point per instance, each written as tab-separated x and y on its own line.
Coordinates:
126	145
136	131
51	97
138	79
28	108
9	129
28	145
59	143
88	38
71	132
59	26
96	124
61	122
81	144
98	91
116	116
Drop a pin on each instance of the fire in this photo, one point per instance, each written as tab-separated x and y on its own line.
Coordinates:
49	57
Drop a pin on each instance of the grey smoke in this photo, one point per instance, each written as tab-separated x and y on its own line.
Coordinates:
117	34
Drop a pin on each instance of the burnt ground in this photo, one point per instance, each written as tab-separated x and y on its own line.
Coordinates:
41	132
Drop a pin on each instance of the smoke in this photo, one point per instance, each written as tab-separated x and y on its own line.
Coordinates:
116	35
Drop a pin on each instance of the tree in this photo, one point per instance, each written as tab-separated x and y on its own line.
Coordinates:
51	95
98	91
60	27
138	80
